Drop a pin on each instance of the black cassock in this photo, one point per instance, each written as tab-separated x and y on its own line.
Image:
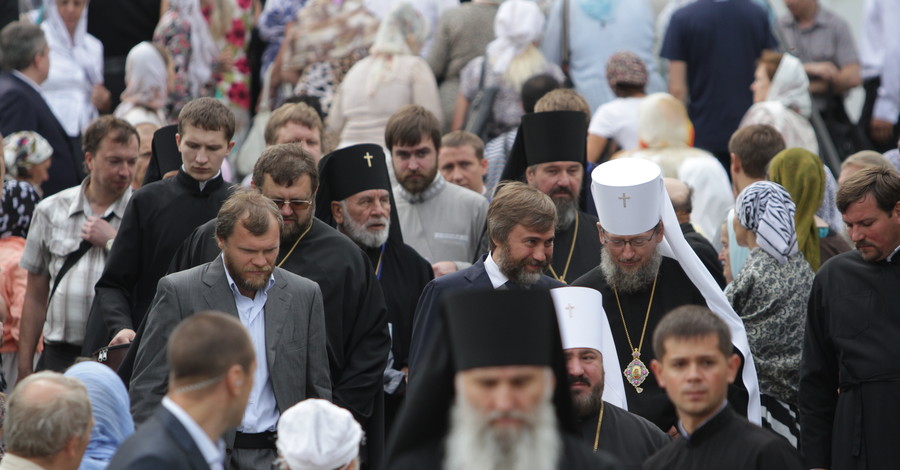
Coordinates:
403	274
158	218
850	373
355	316
575	456
673	289
727	441
585	255
627	436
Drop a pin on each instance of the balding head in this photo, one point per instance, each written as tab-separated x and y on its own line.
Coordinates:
48	416
681	195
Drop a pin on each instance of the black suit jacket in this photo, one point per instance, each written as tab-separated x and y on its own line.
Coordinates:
160	443
427	318
22	108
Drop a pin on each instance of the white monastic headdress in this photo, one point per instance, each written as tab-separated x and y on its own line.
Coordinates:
631	198
318	435
583	324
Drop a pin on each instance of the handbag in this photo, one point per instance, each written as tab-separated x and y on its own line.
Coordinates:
111	356
481	110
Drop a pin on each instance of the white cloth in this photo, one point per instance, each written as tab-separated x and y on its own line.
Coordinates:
146	81
431	10
261	414
517	25
586	325
317	435
76	65
493	271
204	51
877	36
790	86
887	104
213	452
676	247
618	120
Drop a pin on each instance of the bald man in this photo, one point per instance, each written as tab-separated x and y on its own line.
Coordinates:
682	200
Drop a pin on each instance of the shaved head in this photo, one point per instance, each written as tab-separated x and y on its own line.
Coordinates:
680	194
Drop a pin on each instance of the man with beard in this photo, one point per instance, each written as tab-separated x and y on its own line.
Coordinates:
520	224
550	152
639	284
494	394
356	319
356	197
588	347
282	312
442	221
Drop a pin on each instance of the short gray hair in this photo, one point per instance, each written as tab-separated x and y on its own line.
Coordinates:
36	428
20	42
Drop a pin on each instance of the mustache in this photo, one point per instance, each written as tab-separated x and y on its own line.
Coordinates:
377	221
581	379
265	269
562	190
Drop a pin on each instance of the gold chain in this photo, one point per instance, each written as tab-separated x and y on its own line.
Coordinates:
597	434
569	259
646	318
296	243
378	266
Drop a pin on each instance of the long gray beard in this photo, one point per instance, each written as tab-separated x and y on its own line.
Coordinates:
566	211
474	445
629	282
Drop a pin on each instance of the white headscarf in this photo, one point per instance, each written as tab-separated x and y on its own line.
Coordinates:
403	31
517	25
59	39
318	435
204	51
790	86
146	76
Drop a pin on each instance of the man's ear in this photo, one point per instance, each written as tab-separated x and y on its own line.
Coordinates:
600	232
220	243
657	367
337	212
734	363
178	141
529	175
484	166
662	231
234	379
896	211
735	163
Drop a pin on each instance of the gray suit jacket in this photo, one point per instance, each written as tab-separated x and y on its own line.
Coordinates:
295	334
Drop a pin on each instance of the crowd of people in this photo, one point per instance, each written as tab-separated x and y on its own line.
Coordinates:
407	234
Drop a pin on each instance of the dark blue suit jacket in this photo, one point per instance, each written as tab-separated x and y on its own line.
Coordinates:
22	108
427	320
162	442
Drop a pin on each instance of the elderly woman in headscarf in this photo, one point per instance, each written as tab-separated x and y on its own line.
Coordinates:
802	174
74	87
149	76
509	60
184	32
769	294
666	137
392	76
781	99
316	434
615	124
110	408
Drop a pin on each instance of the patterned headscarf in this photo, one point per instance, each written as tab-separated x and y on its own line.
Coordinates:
802	174
204	51
626	68
23	150
517	25
766	209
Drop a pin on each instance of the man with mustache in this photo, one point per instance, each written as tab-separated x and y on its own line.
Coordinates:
587	345
639	284
520	225
550	152
356	198
282	312
494	395
849	378
74	225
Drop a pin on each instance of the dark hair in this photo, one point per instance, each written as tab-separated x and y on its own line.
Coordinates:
299	113
118	130
518	203
463	138
756	145
691	322
535	88
882	183
207	114
206	345
20	42
285	163
625	90
409	125
251	209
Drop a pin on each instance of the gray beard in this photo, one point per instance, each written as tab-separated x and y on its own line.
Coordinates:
629	282
362	236
515	270
566	211
473	444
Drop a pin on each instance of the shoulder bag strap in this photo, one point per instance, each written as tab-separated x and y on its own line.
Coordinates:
72	259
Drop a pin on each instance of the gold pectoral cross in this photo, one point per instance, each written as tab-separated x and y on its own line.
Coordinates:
624	199
368	158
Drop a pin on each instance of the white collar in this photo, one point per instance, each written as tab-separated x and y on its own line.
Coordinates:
890	256
493	271
213	452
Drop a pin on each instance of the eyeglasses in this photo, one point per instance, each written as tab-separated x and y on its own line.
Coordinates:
296	204
636	242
